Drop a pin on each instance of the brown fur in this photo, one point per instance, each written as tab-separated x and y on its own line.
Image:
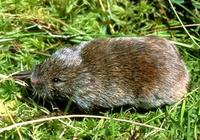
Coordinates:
144	72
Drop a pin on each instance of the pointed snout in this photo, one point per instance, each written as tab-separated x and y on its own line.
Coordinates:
36	83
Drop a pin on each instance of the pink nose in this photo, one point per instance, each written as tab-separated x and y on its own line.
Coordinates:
35	82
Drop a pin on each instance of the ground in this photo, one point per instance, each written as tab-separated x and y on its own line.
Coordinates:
31	30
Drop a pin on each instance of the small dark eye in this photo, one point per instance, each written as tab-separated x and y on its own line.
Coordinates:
55	80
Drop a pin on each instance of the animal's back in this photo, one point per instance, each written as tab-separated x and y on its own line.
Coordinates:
145	72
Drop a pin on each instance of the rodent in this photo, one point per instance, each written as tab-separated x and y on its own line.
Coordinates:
144	72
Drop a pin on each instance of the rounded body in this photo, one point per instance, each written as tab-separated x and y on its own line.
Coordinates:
144	72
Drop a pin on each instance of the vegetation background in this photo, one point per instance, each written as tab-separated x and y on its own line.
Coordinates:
30	30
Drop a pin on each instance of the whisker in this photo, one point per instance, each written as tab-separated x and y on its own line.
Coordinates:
43	101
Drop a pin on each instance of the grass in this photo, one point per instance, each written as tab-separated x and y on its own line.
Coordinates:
31	30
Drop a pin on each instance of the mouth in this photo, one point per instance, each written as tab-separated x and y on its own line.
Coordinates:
42	93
